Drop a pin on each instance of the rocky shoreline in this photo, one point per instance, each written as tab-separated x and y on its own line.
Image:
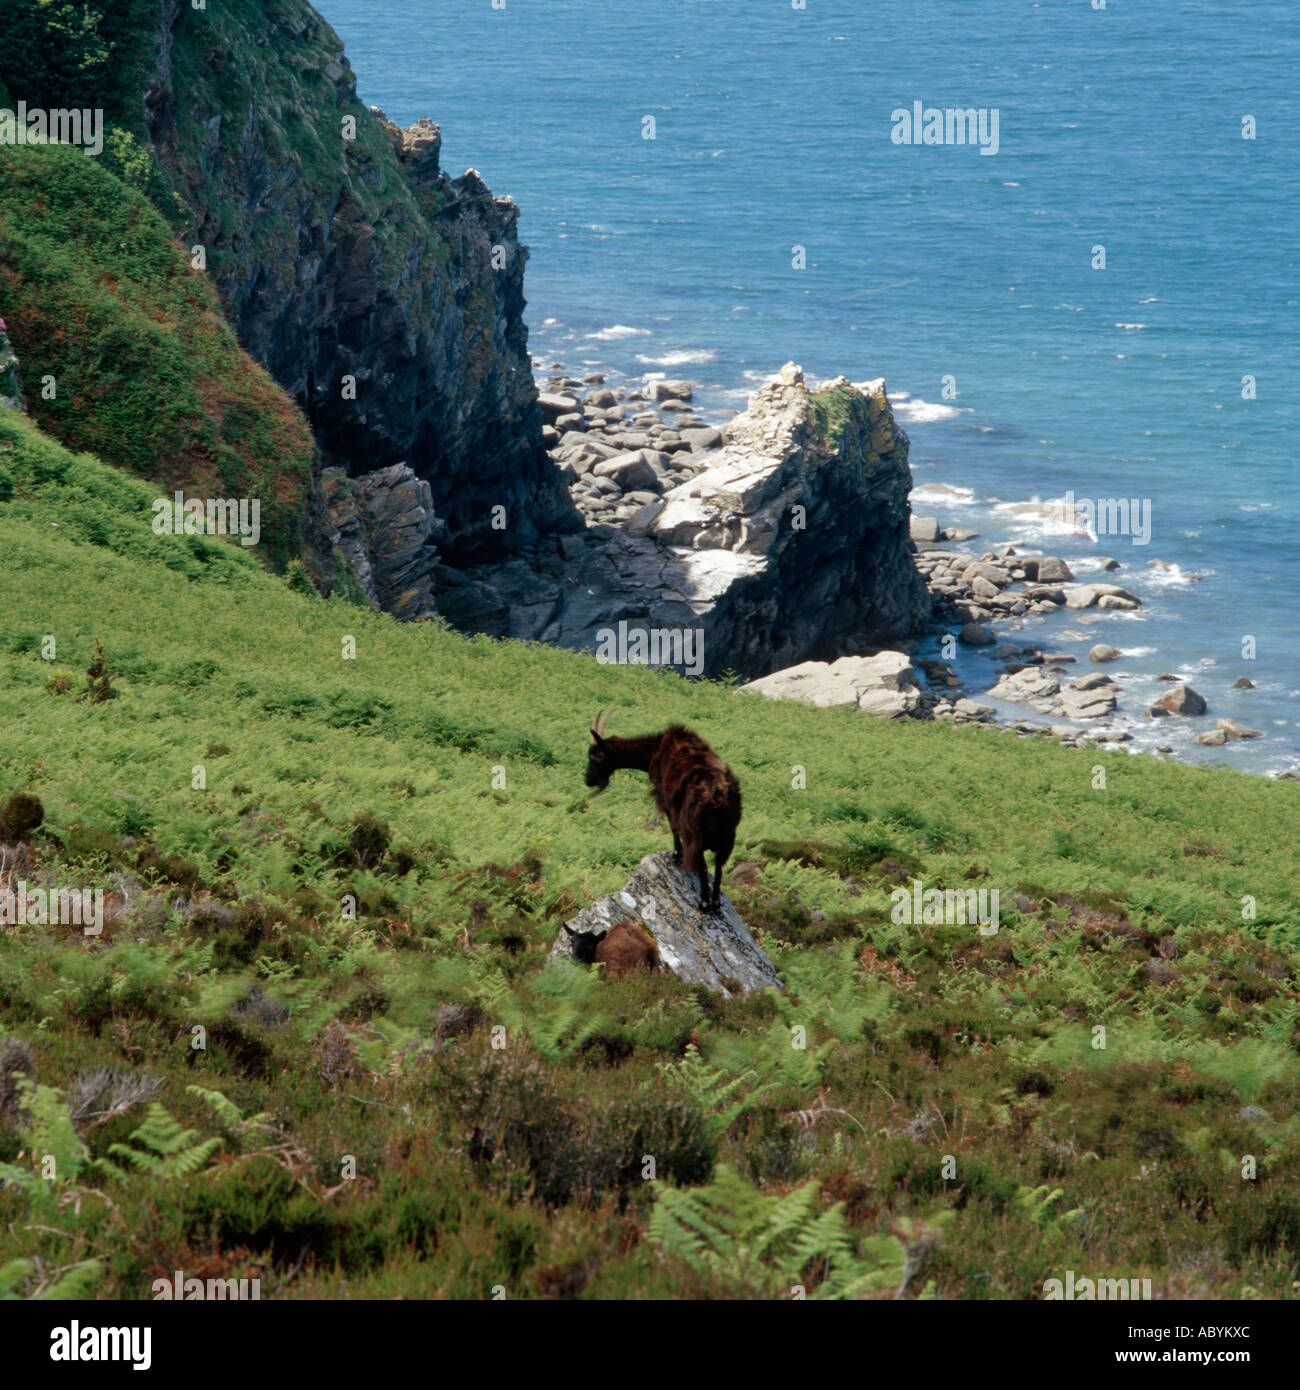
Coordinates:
778	536
629	457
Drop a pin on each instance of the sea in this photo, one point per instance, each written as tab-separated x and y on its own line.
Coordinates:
1090	289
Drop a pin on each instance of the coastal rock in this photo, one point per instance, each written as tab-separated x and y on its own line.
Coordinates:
554	406
785	544
1232	730
669	390
703	439
1182	699
883	684
715	950
1101	652
630	471
1086	595
1050	569
975	636
385	530
925	528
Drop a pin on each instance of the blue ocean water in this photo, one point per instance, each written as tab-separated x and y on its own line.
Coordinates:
936	265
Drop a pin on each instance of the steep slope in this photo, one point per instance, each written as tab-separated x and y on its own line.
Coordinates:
124	350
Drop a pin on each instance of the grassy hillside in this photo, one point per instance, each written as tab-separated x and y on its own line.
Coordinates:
146	372
352	1128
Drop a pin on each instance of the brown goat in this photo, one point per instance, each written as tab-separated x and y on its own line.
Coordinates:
625	948
690	785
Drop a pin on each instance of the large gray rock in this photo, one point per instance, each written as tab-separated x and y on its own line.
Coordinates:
1051	569
711	949
882	684
1086	595
1182	699
630	471
669	390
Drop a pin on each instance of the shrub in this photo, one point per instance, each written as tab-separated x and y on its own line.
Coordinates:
21	814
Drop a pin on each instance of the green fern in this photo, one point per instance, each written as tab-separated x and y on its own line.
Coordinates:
13	1274
48	1134
712	1089
735	1232
228	1114
77	1281
162	1148
1039	1204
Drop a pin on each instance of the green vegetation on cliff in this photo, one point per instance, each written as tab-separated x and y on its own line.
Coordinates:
249	779
124	351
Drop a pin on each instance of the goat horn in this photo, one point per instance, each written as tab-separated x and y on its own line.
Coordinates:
598	727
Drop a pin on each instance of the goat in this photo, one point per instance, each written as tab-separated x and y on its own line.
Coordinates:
690	785
626	947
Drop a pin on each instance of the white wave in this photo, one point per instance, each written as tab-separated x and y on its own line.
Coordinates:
944	493
679	359
1133	327
1162	576
617	332
919	412
1050	518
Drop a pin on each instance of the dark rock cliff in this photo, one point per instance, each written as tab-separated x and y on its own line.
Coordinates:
341	250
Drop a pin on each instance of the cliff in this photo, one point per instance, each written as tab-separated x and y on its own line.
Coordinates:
383	295
359	257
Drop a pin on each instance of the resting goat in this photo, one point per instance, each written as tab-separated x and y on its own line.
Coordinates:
690	785
624	949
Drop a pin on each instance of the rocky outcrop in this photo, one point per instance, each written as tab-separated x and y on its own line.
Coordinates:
383	525
884	684
386	297
788	542
1091	697
711	949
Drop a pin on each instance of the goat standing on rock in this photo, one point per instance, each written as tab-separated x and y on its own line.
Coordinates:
690	785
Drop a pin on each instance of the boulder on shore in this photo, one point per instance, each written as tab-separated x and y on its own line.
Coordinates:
715	950
882	684
1182	699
